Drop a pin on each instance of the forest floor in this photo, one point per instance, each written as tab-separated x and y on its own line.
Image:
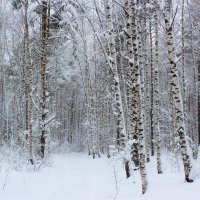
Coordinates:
79	177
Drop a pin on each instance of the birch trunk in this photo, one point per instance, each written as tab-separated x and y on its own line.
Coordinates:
156	90
130	55
147	84
183	63
43	60
134	68
151	91
112	56
198	98
137	132
176	93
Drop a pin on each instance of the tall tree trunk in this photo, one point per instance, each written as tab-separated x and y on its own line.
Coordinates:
43	60
2	95
112	56
198	99
183	62
156	90
134	67
176	92
29	61
151	91
137	132
129	46
147	83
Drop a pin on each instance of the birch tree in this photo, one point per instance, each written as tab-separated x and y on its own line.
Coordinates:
134	37
176	93
118	109
156	88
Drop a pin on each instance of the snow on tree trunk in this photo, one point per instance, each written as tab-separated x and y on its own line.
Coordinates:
176	93
130	56
146	82
156	92
183	59
44	98
118	108
151	91
2	95
140	97
198	98
137	123
30	65
134	67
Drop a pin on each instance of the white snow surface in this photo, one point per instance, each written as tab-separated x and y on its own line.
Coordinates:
76	176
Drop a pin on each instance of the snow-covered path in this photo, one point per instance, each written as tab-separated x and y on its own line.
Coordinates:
79	177
72	177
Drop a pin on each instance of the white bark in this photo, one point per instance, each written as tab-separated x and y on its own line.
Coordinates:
176	92
121	129
138	144
156	92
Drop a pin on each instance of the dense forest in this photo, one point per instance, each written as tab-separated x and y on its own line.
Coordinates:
115	78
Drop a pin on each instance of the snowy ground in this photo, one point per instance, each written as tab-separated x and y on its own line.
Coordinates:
79	177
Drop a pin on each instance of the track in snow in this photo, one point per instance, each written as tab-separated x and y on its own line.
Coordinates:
79	177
